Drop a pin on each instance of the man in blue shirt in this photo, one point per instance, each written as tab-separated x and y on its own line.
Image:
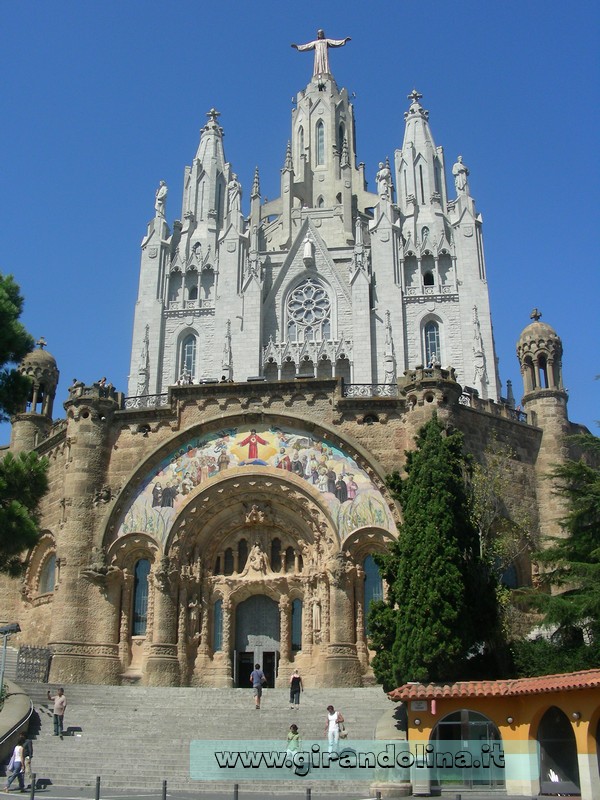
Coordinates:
257	679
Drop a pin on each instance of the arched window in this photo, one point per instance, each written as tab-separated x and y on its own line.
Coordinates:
276	555
140	597
428	279
188	355
218	626
228	562
290	559
543	367
48	575
424	233
559	770
193	293
296	625
309	312
300	142
373	586
320	131
432	342
320	202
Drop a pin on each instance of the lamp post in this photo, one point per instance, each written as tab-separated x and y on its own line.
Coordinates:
6	632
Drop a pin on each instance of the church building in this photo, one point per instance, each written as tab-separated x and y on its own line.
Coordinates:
225	509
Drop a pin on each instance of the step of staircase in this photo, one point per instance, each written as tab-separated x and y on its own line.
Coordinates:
136	736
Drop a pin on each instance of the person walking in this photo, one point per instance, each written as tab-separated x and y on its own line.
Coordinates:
28	755
332	728
294	743
60	704
296	687
16	766
258	680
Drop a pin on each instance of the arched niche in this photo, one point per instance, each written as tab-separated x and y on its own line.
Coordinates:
559	769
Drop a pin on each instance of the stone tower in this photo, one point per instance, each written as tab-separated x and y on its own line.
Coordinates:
539	351
32	424
328	279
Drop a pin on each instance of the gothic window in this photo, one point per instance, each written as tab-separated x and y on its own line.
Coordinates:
309	312
341	136
188	355
218	566
428	279
422	184
48	575
228	562
193	293
320	202
342	369
432	342
320	143
543	367
218	626
373	586
140	597
296	625
300	141
207	282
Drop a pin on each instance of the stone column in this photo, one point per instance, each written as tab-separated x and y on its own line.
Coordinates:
182	636
202	662
341	666
162	665
125	621
359	599
82	653
285	643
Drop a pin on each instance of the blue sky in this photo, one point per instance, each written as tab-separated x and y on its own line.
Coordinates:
101	100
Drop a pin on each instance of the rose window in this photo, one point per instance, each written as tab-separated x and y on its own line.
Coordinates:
309	312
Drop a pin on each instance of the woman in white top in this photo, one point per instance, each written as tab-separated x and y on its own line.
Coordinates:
332	728
17	765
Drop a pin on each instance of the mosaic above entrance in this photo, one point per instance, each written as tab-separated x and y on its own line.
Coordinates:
353	500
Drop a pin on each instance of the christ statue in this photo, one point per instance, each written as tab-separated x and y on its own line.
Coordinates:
320	45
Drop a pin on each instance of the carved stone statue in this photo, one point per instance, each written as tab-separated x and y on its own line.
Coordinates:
234	194
160	200
384	181
257	561
308	255
320	45
461	173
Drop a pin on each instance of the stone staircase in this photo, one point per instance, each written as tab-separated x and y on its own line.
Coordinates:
136	737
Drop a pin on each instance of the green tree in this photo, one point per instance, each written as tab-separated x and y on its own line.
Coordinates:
23	479
15	343
441	605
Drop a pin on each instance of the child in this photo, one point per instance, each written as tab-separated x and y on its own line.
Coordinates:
294	743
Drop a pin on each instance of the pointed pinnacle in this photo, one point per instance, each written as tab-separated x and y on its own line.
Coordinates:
288	164
256	184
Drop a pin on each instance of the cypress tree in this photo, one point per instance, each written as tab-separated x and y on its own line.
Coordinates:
441	593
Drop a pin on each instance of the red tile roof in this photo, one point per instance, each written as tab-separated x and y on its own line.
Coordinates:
569	681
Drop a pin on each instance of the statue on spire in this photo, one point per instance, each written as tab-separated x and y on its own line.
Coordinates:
461	173
321	45
160	199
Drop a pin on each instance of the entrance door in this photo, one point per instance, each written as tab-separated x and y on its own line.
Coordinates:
257	637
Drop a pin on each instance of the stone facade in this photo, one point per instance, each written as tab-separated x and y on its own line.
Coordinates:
227	510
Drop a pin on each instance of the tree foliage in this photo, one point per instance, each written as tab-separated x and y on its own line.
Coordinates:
15	343
23	479
572	563
441	605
